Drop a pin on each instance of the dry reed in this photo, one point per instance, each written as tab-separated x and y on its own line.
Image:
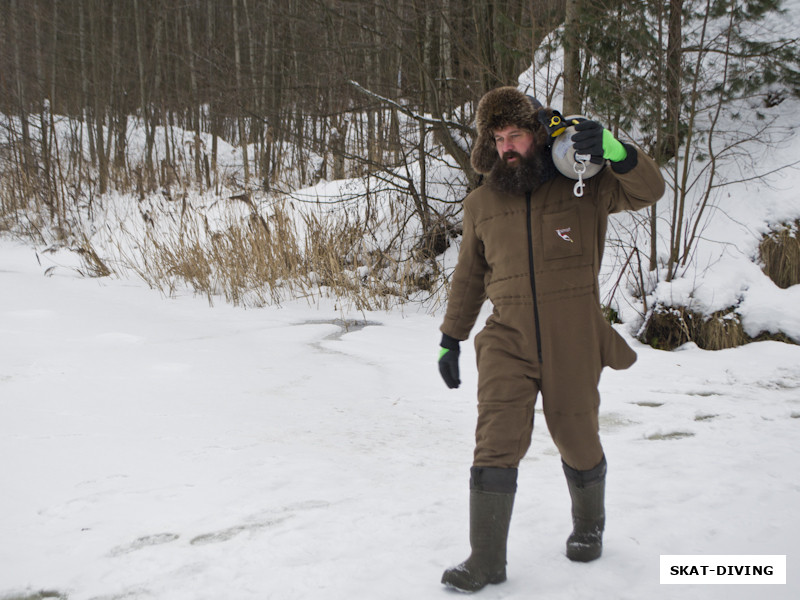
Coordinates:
780	254
668	327
266	260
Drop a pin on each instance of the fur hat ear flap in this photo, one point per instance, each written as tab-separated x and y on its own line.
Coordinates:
484	153
498	109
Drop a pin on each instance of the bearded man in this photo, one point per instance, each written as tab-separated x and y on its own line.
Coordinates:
534	249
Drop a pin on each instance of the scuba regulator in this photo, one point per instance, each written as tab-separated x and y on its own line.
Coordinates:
568	162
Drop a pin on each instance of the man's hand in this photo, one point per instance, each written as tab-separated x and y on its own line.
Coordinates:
591	138
448	361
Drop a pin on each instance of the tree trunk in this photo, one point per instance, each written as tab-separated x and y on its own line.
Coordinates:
26	158
119	115
195	99
482	16
57	179
238	69
44	119
99	104
143	95
86	112
256	127
446	60
674	56
267	99
572	59
212	107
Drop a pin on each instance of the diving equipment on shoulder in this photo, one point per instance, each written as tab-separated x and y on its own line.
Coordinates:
567	161
559	134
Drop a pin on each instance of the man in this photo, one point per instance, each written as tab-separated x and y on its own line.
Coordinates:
534	249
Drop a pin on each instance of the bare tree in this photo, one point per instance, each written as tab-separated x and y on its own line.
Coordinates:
572	59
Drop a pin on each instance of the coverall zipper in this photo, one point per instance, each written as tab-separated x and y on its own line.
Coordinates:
533	278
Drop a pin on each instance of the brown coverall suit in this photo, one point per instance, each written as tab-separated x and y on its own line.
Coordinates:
537	259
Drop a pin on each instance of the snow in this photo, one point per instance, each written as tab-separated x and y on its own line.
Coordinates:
161	448
754	190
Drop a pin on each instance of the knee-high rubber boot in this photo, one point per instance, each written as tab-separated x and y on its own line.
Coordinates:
491	501
587	490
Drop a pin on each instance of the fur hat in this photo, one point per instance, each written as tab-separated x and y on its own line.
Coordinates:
498	109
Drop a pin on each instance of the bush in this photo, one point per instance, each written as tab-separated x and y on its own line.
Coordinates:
668	327
780	255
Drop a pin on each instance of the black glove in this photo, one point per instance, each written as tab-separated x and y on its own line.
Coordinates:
588	139
448	361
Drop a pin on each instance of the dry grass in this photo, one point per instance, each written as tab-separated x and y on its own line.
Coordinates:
721	330
666	328
266	260
780	255
669	327
244	263
93	264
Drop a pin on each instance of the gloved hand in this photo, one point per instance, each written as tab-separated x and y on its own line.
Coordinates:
591	138
448	361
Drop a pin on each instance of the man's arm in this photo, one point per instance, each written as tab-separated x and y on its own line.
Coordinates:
638	186
467	289
639	182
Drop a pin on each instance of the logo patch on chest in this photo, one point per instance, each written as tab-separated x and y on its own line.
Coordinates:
564	234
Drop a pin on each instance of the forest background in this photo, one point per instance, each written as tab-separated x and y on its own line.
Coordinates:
258	151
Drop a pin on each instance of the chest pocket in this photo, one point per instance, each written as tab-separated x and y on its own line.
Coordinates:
561	234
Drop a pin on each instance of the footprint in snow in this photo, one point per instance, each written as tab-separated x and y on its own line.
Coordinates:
224	535
40	595
672	435
144	542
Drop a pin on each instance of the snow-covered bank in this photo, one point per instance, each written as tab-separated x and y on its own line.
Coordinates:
159	448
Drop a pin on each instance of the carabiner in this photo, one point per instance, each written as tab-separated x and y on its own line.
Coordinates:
580	168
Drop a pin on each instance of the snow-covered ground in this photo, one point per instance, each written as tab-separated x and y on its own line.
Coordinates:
160	448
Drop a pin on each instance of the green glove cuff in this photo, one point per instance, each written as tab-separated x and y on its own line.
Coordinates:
613	149
442	352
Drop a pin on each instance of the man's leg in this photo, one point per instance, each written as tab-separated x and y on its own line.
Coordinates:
502	437
578	441
587	491
491	502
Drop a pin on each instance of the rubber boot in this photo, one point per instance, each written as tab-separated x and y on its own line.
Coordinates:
587	490
491	501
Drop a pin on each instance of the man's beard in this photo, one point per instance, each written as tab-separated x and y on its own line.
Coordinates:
526	175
